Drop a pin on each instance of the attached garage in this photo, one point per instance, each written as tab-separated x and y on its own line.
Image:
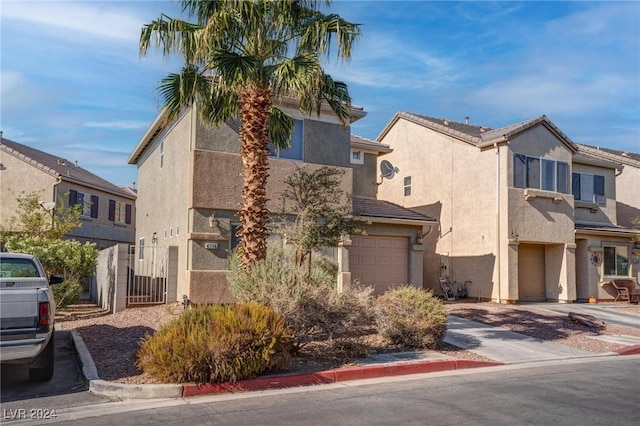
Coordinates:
379	261
531	273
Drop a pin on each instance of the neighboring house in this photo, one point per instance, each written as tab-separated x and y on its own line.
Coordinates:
190	187
627	182
504	200
108	211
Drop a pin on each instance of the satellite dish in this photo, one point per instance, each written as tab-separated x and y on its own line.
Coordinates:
388	170
49	205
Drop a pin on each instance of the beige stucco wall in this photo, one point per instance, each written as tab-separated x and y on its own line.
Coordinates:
590	278
454	182
18	177
594	213
164	193
482	218
628	196
365	176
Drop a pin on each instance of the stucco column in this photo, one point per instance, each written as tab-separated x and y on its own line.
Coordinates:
510	293
344	275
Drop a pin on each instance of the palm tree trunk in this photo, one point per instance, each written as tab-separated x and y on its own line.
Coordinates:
254	140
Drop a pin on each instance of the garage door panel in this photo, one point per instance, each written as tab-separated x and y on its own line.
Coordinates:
379	261
531	272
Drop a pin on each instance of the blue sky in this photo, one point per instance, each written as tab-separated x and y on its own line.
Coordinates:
72	82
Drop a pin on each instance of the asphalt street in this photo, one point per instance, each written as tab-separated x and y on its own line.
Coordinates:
586	391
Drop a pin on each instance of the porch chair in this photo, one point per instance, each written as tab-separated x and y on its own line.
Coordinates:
627	289
447	289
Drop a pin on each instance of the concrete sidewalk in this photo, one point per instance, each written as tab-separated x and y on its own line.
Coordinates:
610	313
502	346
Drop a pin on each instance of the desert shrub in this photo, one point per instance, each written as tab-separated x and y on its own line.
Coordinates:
209	344
411	317
67	292
306	299
73	259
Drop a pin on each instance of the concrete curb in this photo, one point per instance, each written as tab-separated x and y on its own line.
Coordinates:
131	391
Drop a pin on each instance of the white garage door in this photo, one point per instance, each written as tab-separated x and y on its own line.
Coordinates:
531	273
379	261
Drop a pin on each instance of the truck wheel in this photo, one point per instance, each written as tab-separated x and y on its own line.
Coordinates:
45	359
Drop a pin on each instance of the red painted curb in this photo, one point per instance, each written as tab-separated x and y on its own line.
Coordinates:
332	376
629	350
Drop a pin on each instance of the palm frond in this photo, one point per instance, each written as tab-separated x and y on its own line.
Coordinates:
280	128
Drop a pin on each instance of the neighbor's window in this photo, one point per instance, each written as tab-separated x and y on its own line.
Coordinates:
588	187
616	260
533	172
294	152
234	241
141	250
357	157
88	203
407	186
119	212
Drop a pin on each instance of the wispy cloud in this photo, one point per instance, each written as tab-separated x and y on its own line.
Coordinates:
75	19
118	124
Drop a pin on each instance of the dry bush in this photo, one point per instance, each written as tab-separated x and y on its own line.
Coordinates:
209	344
411	317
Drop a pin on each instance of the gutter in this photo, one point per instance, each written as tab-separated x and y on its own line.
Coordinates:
397	221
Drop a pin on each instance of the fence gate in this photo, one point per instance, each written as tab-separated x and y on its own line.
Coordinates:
147	277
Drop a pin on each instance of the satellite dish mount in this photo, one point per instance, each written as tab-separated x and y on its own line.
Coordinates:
387	171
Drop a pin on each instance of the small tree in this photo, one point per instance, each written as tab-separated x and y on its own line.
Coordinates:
34	220
323	212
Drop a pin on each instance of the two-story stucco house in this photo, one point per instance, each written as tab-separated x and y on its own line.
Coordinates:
190	187
108	211
505	202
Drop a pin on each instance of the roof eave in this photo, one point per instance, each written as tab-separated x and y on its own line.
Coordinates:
397	221
148	137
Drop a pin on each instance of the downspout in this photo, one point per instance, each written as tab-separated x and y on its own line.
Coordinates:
497	147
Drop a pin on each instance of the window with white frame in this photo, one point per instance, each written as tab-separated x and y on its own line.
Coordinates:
119	212
357	157
588	188
141	249
407	186
294	152
540	173
616	260
88	203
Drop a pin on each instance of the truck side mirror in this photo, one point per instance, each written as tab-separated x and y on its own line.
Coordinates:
56	279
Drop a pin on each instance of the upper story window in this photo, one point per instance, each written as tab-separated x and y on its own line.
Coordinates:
540	173
119	212
616	260
357	157
141	249
407	186
88	203
295	151
588	188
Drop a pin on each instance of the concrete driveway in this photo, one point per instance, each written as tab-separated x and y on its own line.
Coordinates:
610	313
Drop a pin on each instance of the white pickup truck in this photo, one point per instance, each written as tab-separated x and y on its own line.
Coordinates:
27	312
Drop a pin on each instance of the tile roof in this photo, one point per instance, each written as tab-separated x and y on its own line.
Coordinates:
478	134
60	167
608	228
624	157
383	209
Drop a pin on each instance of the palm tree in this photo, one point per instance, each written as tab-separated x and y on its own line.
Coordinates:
241	56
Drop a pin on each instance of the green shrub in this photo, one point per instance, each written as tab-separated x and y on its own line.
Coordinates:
411	317
209	344
67	292
308	302
68	257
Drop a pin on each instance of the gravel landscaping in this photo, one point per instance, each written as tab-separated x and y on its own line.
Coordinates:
112	339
